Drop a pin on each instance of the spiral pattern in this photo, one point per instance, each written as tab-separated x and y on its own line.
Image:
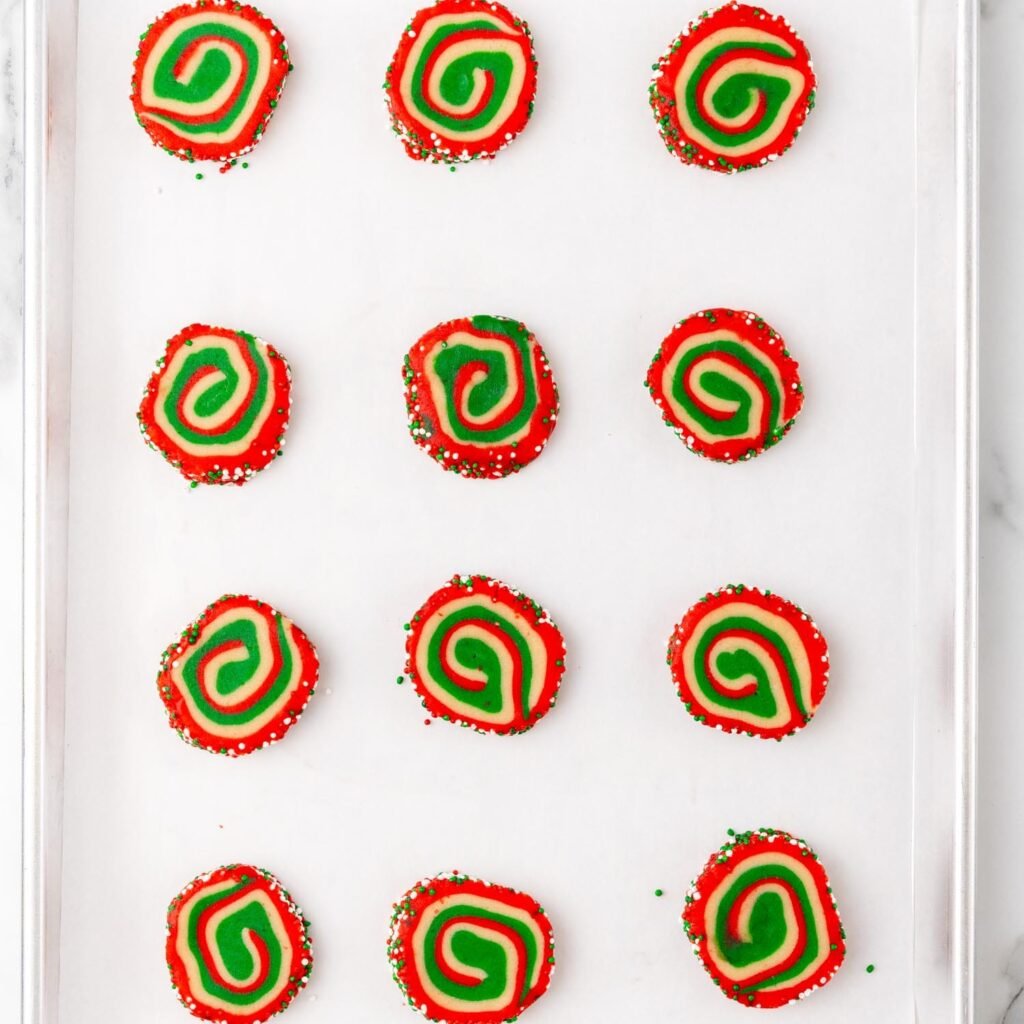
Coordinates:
238	678
733	90
480	396
485	656
467	952
726	384
763	920
217	405
238	948
461	84
208	76
748	661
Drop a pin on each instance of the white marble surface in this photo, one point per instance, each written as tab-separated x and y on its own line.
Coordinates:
1001	780
1001	822
10	456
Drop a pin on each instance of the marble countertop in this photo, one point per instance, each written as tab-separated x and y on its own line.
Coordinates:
1000	901
10	450
1000	932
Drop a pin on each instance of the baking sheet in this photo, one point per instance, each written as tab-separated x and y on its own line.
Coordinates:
341	251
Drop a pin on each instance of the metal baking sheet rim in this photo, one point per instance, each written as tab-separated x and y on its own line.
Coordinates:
947	254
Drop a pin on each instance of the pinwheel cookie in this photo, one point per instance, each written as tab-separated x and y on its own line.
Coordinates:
467	952
238	948
238	678
485	656
726	384
749	661
208	77
480	396
461	85
733	90
217	405
763	920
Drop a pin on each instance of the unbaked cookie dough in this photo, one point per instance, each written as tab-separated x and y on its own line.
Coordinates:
238	678
468	952
461	85
733	89
485	656
217	405
748	661
208	77
763	921
238	948
480	396
726	384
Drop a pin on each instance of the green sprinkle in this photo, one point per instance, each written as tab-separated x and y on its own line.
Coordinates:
659	892
870	968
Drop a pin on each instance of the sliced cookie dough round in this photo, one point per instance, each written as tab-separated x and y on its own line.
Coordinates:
726	384
748	661
238	678
208	77
238	948
763	921
468	952
733	89
480	396
462	82
217	405
485	656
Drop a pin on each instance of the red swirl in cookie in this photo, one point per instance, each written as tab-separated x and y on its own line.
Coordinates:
726	384
217	405
480	396
733	89
468	952
238	678
763	920
208	77
749	661
461	84
485	656
238	948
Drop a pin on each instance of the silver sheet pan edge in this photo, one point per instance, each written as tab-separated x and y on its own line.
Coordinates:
966	673
945	731
51	30
946	498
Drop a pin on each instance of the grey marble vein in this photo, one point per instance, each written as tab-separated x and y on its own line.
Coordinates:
1000	498
1014	1012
